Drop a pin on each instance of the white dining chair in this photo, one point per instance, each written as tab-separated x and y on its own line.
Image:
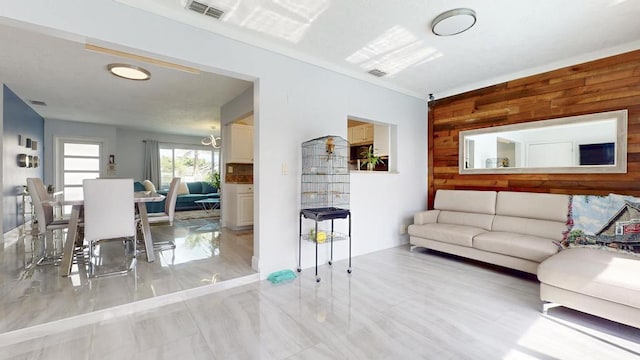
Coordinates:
167	215
46	223
169	205
109	214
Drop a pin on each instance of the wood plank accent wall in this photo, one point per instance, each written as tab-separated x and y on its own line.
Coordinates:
607	84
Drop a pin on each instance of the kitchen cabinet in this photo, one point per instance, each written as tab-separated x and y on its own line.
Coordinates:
240	144
361	134
240	203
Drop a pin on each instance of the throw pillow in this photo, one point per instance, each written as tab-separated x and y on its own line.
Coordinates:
183	189
148	186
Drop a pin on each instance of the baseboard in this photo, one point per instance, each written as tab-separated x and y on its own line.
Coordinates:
240	228
255	263
11	237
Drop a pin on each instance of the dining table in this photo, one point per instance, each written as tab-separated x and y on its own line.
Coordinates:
140	198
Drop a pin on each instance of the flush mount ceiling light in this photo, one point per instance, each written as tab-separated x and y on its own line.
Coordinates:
453	22
129	72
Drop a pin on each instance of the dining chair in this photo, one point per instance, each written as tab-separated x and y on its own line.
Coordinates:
167	215
169	205
46	223
109	214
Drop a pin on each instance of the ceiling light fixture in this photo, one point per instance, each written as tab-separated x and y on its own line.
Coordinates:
129	72
213	141
138	58
453	22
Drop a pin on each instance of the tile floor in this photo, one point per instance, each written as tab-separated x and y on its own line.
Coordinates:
204	255
397	304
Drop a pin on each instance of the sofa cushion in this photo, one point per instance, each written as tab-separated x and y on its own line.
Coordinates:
449	233
523	246
541	228
603	274
554	207
183	189
137	186
155	206
195	187
482	202
208	188
148	186
465	218
426	217
190	198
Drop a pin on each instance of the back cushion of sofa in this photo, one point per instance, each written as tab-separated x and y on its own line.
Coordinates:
483	221
553	207
468	201
535	227
208	188
195	187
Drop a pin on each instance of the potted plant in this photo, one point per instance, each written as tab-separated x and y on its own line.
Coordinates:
370	159
213	178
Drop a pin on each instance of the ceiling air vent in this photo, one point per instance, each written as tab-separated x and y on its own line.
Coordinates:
37	102
377	72
204	9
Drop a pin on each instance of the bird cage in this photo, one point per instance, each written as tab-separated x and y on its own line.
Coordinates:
325	173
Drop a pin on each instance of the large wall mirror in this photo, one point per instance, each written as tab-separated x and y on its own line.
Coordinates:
594	143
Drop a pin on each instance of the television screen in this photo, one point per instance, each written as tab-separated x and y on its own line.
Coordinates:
597	154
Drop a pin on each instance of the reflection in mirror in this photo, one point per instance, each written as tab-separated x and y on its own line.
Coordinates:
594	143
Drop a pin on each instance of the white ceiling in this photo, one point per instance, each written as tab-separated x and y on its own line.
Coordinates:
76	86
510	39
354	36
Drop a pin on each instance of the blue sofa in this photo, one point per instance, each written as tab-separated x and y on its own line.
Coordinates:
198	190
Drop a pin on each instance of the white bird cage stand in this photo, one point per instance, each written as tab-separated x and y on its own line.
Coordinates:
325	192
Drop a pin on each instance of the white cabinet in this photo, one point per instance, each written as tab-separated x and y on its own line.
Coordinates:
361	134
245	209
240	143
239	199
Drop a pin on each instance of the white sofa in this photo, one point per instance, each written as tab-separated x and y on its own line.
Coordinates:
598	282
518	230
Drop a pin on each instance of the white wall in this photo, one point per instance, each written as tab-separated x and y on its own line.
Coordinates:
237	108
296	102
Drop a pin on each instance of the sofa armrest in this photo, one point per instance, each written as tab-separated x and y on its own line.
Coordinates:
426	217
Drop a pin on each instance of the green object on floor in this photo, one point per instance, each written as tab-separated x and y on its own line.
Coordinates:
280	276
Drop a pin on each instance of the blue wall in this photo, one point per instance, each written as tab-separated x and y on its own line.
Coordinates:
19	119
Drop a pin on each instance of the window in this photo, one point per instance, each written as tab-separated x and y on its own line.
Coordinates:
78	160
187	163
365	137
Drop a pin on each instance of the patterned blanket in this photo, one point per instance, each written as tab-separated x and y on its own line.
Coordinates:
607	221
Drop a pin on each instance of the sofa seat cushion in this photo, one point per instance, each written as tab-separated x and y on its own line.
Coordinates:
607	275
524	246
449	233
155	206
184	199
534	227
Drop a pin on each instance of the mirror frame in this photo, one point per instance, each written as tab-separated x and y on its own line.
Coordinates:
620	165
